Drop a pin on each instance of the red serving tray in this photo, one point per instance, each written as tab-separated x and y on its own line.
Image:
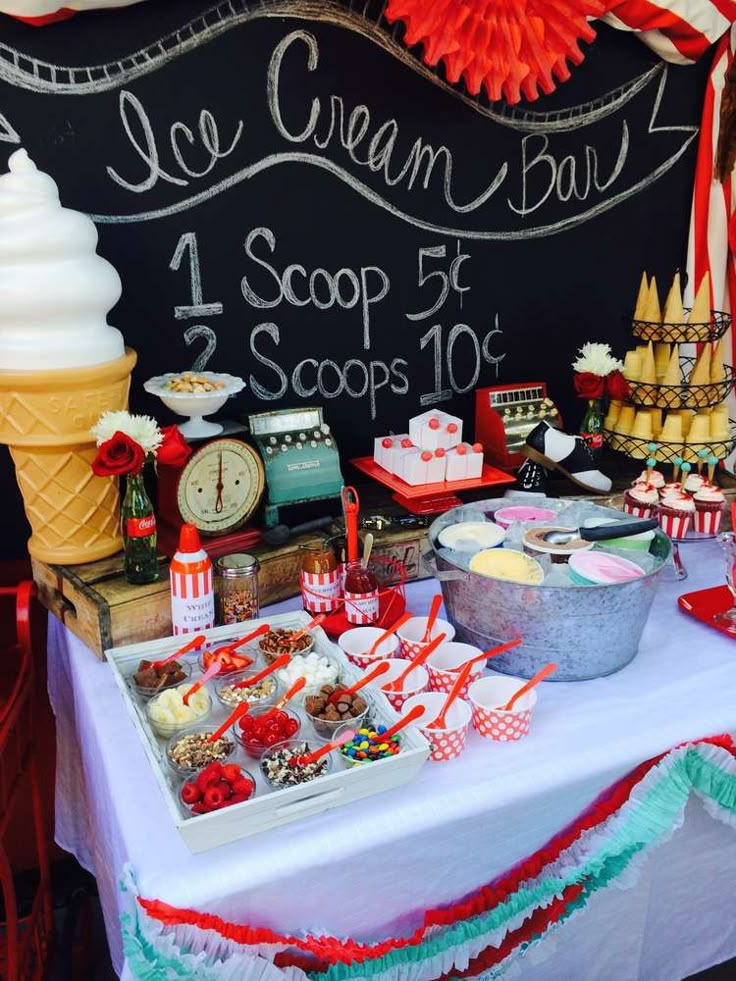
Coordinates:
705	603
430	498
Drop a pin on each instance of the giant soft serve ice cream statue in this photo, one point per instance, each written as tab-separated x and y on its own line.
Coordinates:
61	365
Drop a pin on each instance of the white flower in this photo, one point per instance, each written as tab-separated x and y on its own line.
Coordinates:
143	429
598	359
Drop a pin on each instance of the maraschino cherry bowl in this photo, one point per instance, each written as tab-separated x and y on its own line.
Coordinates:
261	728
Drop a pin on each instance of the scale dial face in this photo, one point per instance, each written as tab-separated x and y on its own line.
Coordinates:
221	486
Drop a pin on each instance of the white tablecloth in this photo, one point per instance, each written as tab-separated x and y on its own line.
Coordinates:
455	827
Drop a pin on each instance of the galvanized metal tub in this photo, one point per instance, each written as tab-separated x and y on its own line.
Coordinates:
589	631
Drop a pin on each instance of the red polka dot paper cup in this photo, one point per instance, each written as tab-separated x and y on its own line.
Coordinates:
357	642
445	663
417	680
486	697
411	635
447	744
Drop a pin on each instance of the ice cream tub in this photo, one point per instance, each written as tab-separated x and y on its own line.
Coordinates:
589	632
472	536
523	512
601	568
535	544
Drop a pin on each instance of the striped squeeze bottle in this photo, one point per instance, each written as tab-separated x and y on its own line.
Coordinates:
192	585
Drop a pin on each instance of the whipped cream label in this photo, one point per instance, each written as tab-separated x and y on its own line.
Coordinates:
188	615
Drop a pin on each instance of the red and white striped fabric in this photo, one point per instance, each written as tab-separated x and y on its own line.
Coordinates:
679	31
40	12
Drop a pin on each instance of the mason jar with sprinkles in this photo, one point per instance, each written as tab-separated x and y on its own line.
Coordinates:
236	587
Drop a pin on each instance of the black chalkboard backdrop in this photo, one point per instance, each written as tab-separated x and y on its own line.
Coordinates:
288	198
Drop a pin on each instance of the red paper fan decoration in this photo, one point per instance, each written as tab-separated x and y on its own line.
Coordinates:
510	47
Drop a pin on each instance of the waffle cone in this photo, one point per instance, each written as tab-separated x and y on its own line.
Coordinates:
661	358
673	375
700	313
45	418
672	429
673	312
717	369
641	300
653	311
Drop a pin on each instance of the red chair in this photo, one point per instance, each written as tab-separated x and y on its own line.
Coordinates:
25	940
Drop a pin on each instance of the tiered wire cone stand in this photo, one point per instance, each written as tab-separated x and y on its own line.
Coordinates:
675	397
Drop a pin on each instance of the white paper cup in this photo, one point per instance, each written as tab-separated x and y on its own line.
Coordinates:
490	720
448	743
417	680
442	671
356	642
411	642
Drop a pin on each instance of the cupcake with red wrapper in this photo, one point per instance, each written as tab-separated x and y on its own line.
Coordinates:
673	487
694	482
641	500
675	514
652	477
709	504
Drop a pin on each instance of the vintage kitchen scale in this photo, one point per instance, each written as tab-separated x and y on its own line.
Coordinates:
504	417
218	490
300	457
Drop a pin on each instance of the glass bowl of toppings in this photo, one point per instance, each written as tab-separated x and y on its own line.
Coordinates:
231	662
329	709
218	785
367	746
168	715
262	693
149	680
191	751
195	395
281	641
317	669
281	766
262	728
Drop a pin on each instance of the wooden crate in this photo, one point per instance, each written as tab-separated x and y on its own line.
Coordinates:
96	603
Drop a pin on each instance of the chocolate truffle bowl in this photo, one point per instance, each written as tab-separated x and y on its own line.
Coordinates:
589	631
327	717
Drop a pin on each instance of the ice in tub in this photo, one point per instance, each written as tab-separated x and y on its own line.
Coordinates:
558	575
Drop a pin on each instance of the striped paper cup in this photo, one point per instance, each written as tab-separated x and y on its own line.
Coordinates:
493	722
675	524
445	663
708	520
447	744
411	635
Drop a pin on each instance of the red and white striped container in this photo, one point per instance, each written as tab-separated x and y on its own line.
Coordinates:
321	591
361	608
707	521
192	585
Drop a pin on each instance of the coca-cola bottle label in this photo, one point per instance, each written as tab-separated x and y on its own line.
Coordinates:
141	527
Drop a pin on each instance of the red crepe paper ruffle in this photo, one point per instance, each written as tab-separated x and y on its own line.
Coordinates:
512	49
317	953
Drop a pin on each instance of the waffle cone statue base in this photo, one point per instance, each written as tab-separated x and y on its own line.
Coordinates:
45	419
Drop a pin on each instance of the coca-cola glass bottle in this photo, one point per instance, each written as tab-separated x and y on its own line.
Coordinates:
139	533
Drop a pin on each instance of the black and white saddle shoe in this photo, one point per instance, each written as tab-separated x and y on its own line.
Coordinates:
569	454
531	478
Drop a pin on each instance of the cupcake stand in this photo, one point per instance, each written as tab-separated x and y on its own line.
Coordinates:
652	425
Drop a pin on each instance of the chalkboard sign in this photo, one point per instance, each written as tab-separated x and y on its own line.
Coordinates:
295	201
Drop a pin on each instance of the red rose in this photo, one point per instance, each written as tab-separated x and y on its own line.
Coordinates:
588	385
119	455
174	451
616	386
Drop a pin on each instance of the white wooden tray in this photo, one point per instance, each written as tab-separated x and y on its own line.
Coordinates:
268	808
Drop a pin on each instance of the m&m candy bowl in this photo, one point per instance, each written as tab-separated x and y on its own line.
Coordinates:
368	746
262	728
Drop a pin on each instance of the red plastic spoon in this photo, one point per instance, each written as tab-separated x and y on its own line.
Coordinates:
281	661
441	721
236	714
407	720
488	654
433	611
209	673
258	632
294	690
381	668
314	622
344	737
194	644
543	673
404	618
397	683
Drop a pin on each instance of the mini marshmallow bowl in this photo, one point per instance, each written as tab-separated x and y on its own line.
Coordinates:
589	631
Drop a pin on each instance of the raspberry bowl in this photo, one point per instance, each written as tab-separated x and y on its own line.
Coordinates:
215	787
